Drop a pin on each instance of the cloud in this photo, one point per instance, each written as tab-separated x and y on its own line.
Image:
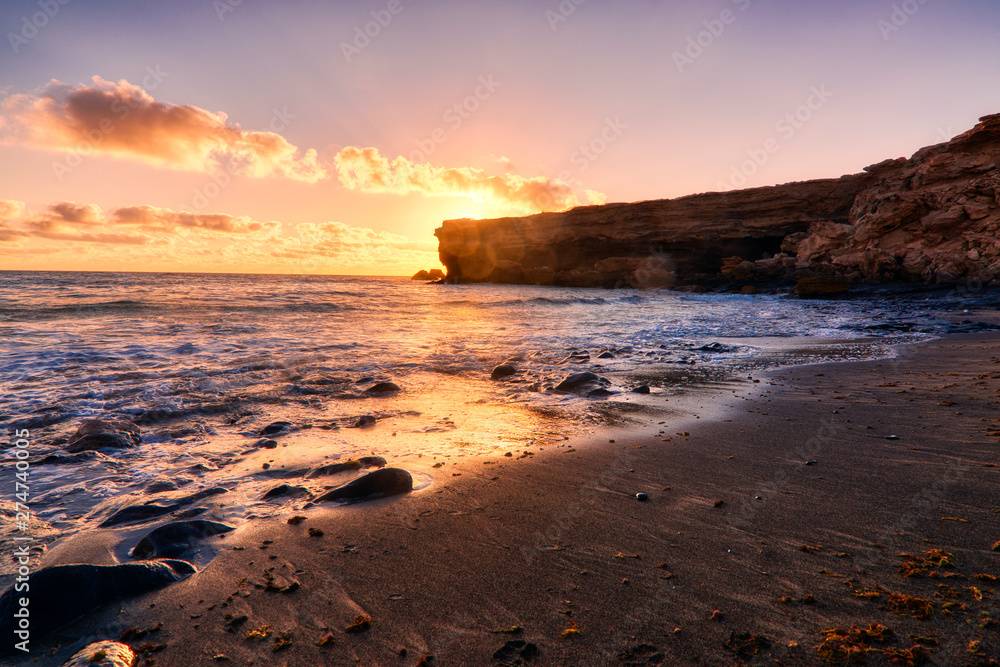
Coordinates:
164	220
365	170
123	120
88	223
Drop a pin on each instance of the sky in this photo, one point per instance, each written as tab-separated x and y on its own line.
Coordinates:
308	136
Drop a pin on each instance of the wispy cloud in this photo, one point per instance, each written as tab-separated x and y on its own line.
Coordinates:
123	120
124	237
366	170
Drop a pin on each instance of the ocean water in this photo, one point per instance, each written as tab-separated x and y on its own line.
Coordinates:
203	362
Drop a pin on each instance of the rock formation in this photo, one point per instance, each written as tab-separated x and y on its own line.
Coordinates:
931	218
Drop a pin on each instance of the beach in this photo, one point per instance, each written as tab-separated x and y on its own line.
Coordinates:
781	519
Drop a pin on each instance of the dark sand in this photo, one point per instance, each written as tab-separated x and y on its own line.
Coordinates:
557	541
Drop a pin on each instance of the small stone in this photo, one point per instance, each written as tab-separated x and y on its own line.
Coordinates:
717	616
364	421
892	437
502	371
383	388
267	443
276	427
811	462
642	497
641	389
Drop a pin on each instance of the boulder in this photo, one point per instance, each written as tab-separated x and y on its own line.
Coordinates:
382	388
177	540
100	433
577	381
63	593
342	466
502	371
285	491
377	484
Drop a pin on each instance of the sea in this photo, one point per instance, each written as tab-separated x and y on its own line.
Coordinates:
204	363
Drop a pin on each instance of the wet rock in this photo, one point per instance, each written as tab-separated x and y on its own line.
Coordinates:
334	468
577	380
98	434
104	654
148	511
274	428
641	497
266	443
63	593
281	473
188	513
502	371
380	388
364	421
713	347
641	389
177	540
285	491
606	355
600	392
377	484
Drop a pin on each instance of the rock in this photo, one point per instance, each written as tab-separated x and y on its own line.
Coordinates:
285	491
938	209
334	468
364	421
577	380
275	428
266	443
372	461
502	371
641	389
98	434
600	392
377	484
433	274
818	286
642	497
104	654
148	511
177	539
606	355
79	457
63	593
380	388
713	347
161	485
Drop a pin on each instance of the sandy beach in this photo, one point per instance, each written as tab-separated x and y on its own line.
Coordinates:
783	519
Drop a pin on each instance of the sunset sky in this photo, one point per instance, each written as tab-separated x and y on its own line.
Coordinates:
334	137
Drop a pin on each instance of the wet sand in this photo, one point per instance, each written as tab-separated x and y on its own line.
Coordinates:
768	520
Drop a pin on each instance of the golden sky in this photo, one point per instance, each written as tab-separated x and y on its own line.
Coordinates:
303	137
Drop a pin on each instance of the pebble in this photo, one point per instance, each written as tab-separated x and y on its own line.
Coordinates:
641	497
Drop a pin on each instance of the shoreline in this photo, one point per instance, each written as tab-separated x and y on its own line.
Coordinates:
557	542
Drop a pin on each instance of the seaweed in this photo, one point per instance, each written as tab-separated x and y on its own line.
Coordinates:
909	605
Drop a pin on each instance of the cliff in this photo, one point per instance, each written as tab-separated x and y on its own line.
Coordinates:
930	218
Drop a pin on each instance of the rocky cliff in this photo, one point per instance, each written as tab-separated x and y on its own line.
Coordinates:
930	218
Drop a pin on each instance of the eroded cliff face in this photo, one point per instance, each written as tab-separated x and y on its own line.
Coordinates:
930	218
